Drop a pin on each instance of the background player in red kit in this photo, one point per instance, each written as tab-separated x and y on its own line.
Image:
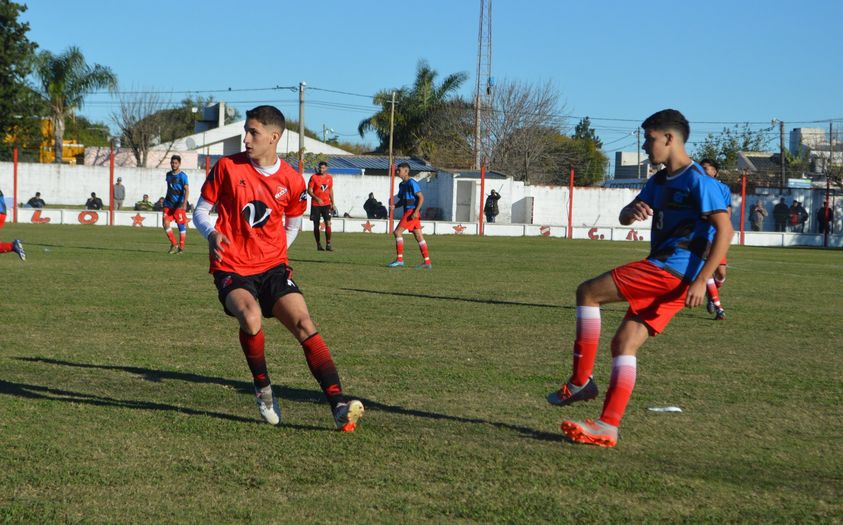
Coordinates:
253	192
320	187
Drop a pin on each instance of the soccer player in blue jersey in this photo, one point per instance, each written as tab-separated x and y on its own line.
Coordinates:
716	281
690	235
175	204
14	246
411	198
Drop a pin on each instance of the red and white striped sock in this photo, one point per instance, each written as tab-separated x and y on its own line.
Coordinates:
424	252
713	294
399	248
585	345
624	370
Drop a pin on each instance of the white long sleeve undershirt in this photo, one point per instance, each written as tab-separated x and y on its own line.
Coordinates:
202	217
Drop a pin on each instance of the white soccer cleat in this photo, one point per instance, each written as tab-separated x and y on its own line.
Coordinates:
268	405
346	415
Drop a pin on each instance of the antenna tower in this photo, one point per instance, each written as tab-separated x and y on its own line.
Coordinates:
484	86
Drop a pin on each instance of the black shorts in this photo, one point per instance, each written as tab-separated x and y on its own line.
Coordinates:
266	287
320	213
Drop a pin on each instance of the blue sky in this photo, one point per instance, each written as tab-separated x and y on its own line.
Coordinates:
718	62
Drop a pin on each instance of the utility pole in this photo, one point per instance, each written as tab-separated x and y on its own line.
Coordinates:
391	165
638	149
325	130
781	153
302	84
391	128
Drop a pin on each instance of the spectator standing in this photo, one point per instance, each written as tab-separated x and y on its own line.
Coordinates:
797	217
780	214
119	193
823	220
756	216
491	208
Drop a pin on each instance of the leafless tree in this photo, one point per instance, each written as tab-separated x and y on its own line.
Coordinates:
523	123
138	129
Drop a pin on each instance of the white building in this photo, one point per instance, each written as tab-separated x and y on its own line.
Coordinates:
631	165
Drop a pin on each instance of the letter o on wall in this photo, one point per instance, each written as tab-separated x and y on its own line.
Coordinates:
88	217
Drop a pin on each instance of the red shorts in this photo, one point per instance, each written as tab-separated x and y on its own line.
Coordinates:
654	295
2	220
408	222
176	214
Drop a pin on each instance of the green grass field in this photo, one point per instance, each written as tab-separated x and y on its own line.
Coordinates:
125	398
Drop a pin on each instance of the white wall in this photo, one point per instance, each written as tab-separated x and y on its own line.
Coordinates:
62	184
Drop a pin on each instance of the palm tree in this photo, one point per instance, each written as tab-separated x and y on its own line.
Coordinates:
414	107
64	80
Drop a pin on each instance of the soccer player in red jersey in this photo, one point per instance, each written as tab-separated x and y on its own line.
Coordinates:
14	246
254	191
411	198
691	233
320	187
175	204
716	281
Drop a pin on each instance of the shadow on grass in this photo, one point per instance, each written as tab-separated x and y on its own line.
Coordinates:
98	248
464	299
284	392
55	394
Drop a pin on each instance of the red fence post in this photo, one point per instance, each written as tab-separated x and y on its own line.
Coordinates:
743	204
111	185
482	195
571	205
15	190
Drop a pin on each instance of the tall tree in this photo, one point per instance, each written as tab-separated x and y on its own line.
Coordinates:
18	106
583	155
523	123
586	132
415	106
64	80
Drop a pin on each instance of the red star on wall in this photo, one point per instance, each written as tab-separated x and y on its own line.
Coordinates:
459	228
367	227
137	220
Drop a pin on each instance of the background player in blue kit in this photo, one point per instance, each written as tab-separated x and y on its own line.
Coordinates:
411	198
175	204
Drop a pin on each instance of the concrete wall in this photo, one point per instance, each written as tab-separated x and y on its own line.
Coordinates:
71	185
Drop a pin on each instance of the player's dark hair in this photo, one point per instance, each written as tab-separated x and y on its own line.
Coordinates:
176	157
323	163
668	119
268	116
404	165
712	163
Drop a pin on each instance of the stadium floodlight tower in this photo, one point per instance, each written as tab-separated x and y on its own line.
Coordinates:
484	84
